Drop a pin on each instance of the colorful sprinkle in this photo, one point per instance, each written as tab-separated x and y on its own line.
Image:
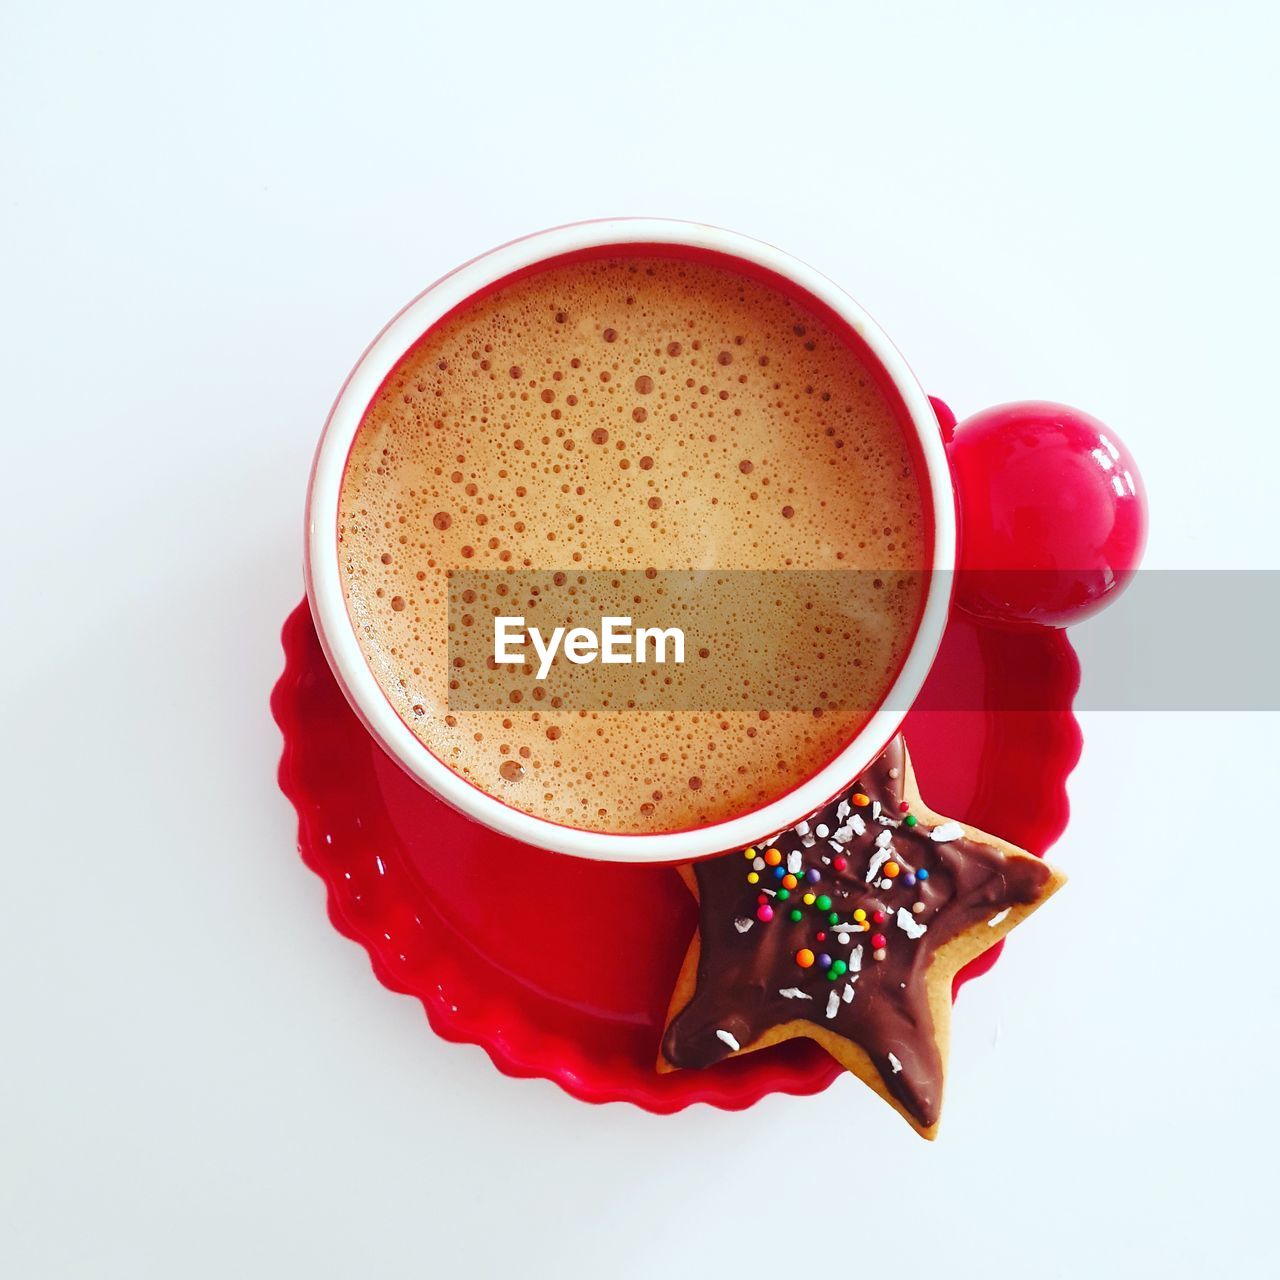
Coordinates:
782	895
822	936
808	899
860	800
752	878
839	968
833	918
813	875
922	874
911	819
860	915
824	903
879	954
879	917
824	961
748	854
892	870
903	806
773	857
789	881
804	958
909	879
796	915
878	940
839	863
764	913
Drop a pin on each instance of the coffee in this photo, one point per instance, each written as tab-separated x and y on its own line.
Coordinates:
634	412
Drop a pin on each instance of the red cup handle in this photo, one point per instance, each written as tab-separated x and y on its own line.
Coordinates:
1052	513
946	419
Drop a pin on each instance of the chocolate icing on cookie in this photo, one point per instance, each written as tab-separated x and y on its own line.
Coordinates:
837	922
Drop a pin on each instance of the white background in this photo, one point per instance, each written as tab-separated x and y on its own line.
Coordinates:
205	213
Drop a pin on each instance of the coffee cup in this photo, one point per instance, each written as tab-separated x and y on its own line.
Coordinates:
350	663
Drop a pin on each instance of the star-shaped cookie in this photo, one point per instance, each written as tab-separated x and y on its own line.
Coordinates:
849	930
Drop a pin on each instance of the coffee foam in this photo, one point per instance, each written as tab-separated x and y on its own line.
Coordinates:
632	413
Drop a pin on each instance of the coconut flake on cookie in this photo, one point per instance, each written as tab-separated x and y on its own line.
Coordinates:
910	926
878	859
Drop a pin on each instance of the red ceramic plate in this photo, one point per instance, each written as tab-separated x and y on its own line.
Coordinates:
561	968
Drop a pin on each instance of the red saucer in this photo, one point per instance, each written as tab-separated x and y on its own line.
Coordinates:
562	968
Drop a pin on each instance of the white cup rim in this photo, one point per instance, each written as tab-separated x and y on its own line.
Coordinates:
338	637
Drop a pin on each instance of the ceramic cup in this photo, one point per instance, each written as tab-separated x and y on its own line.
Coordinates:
337	636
